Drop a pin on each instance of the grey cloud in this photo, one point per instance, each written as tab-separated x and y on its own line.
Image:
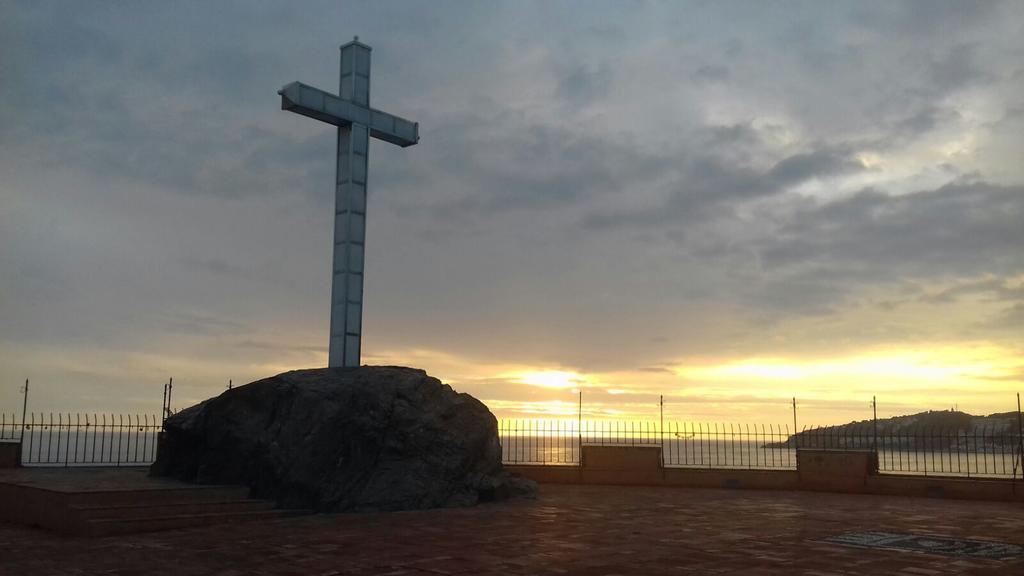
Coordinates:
993	288
807	293
800	256
958	229
1009	319
525	169
215	265
820	163
707	185
711	73
586	83
957	68
813	259
99	97
902	130
280	347
920	122
200	324
921	18
729	136
888	63
657	370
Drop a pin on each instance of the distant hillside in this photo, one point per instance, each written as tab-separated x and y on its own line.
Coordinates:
946	429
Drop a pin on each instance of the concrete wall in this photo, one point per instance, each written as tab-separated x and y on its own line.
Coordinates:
10	454
610	464
35	507
688	477
937	487
853	472
836	470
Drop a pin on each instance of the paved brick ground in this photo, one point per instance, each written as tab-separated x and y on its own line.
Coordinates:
89	479
588	530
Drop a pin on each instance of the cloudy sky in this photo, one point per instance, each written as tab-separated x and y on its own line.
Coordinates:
725	204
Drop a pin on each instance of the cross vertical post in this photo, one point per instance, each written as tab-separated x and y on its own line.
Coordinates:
350	111
350	213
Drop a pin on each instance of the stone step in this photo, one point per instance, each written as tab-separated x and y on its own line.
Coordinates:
154	497
110	526
145	510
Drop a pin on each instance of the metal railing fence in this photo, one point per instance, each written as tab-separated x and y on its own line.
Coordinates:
988	450
985	451
526	441
10	428
66	439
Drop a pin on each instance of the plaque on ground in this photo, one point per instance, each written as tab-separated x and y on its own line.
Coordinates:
930	544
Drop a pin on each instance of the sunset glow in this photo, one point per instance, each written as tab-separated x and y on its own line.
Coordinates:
975	377
933	366
549	379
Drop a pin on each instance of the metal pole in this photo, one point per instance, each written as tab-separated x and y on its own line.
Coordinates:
874	410
661	430
794	415
661	414
579	424
1020	436
170	388
24	409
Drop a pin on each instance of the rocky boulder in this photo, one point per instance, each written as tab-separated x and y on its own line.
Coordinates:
331	439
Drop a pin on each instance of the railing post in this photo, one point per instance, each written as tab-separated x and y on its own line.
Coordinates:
24	410
579	425
167	402
794	415
120	430
874	421
1020	439
32	427
661	427
67	443
163	408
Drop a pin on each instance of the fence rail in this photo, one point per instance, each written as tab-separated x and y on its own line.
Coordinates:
66	439
988	451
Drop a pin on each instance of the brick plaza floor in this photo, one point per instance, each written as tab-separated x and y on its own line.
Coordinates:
590	530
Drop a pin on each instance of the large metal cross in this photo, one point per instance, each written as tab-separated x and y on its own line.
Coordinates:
350	111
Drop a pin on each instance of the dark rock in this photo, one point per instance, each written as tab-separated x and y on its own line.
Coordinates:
330	439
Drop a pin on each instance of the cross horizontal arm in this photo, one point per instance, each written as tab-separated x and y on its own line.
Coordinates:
326	107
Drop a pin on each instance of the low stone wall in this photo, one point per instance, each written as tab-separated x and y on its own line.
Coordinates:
33	507
10	454
998	489
685	477
611	464
548	474
836	470
846	471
